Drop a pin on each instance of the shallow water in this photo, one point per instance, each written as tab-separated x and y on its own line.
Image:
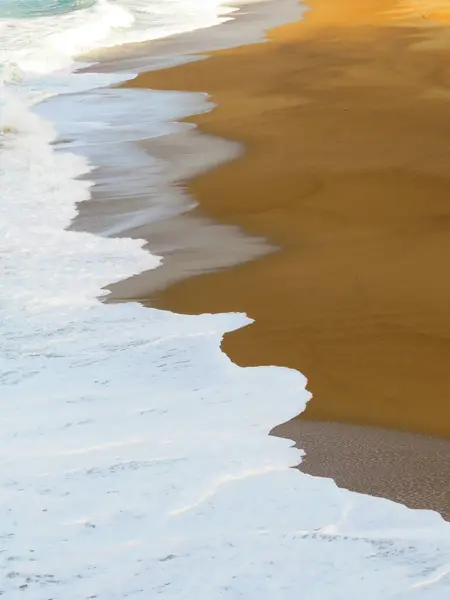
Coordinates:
39	8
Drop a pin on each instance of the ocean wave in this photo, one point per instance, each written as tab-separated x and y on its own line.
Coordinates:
49	43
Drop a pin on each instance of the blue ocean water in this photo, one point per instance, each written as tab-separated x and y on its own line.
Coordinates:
39	8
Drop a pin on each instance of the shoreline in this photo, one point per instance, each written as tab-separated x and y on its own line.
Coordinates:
350	168
189	242
374	341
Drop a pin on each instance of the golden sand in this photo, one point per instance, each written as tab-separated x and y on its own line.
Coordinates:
346	120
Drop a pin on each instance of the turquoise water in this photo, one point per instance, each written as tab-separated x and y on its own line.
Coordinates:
40	8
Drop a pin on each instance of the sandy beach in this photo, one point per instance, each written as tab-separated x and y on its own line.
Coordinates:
345	121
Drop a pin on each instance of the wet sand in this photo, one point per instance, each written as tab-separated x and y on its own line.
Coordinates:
141	200
346	121
405	467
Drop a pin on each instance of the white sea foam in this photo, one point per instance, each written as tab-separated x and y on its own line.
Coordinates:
135	455
43	45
